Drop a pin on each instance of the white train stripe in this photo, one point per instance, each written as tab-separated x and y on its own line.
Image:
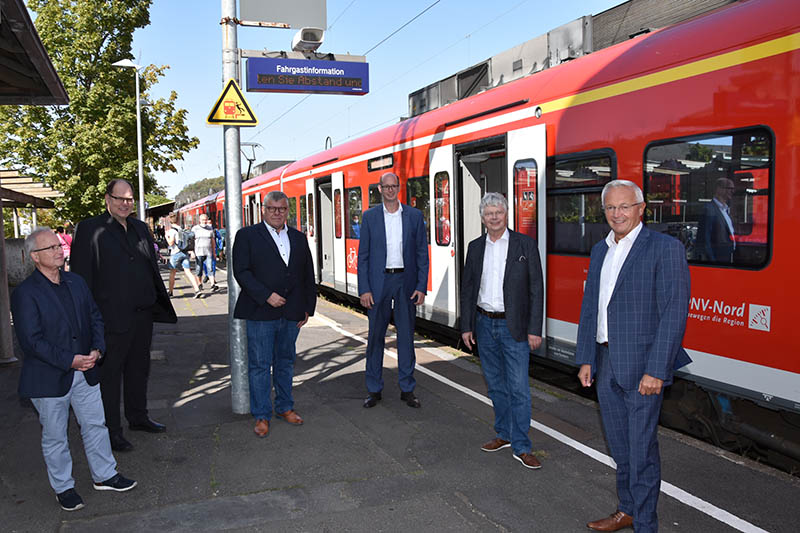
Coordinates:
667	488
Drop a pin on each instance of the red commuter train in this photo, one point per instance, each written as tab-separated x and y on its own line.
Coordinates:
674	110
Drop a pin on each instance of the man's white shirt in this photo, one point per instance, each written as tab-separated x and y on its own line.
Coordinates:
394	237
490	294
612	264
281	241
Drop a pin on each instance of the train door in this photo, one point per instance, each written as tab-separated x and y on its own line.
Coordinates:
312	229
443	262
339	218
325	235
526	152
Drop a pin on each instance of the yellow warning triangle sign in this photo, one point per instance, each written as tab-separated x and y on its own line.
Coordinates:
231	108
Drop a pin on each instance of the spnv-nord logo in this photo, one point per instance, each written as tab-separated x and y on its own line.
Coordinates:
760	317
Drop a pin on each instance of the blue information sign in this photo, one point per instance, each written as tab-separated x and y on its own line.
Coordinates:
277	75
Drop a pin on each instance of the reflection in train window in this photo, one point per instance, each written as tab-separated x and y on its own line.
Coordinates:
311	214
575	220
354	213
374	195
712	193
292	220
337	213
525	178
417	195
441	192
303	215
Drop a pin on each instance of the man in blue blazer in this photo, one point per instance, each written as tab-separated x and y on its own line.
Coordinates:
60	330
273	265
392	267
715	240
633	317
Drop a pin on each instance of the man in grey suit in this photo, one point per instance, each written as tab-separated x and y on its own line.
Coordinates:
635	305
502	309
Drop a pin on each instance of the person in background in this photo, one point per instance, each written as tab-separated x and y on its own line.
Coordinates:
178	258
66	244
204	251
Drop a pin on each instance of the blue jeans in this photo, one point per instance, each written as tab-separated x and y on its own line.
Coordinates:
504	362
271	354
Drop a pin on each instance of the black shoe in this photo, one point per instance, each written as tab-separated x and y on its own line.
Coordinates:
205	279
410	399
169	293
70	500
149	426
214	288
116	483
372	400
120	443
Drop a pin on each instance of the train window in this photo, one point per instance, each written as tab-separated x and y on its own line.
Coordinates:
292	220
354	213
337	213
712	192
417	195
575	220
374	195
525	174
380	162
311	214
441	191
303	215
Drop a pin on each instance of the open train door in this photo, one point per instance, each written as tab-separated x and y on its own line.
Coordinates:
443	257
312	226
339	248
526	156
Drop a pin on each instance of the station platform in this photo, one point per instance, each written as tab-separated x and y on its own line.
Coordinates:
390	468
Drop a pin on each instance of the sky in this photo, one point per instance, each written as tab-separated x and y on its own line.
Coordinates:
449	37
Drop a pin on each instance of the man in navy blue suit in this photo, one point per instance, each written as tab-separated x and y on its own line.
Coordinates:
633	317
60	330
272	263
392	271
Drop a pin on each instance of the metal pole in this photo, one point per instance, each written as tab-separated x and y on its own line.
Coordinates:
139	146
237	335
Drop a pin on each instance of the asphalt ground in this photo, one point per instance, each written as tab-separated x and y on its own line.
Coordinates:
390	468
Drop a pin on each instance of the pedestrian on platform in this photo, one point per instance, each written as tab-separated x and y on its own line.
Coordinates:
635	305
60	331
114	254
392	275
501	309
204	252
179	258
273	265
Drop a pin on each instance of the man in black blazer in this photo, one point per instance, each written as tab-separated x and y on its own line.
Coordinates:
502	309
114	253
273	265
715	229
60	331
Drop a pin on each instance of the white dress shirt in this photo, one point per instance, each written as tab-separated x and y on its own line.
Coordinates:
612	264
490	295
726	214
281	241
394	237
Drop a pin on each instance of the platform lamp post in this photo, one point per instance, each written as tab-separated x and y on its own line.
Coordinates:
127	63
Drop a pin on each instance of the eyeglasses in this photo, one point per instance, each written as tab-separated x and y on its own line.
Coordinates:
52	248
123	199
624	208
272	209
390	187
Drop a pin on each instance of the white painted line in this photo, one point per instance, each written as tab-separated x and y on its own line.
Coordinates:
667	488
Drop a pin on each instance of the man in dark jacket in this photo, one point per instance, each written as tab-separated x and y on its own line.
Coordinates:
114	253
60	331
502	309
273	265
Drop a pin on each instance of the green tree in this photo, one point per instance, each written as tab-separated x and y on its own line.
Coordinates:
79	148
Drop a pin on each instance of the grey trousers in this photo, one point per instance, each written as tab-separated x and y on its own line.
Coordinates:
54	417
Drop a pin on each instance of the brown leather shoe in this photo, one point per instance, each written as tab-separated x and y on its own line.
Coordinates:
615	522
528	460
262	428
292	417
495	444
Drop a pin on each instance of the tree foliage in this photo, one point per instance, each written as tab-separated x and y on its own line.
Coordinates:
199	189
79	148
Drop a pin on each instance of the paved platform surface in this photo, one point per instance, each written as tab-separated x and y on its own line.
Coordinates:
390	468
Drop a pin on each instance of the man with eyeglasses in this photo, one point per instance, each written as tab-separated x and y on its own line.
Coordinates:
273	265
114	252
392	279
60	331
715	240
633	317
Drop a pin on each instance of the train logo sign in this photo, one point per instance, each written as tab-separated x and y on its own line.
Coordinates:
231	108
760	317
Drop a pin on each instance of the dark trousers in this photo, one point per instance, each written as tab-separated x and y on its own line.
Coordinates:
404	315
630	421
126	366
